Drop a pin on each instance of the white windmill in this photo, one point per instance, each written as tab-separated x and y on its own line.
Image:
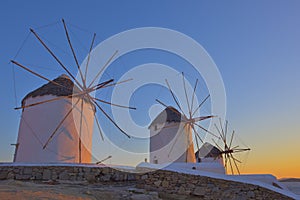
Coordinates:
57	118
228	149
171	133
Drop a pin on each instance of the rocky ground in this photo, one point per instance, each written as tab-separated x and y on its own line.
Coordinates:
61	190
72	181
12	189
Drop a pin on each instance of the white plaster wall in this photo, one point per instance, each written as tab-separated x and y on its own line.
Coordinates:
39	122
214	165
164	137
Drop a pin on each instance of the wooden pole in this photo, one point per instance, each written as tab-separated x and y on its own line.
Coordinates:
38	75
74	54
200	105
186	96
61	122
110	119
109	60
174	98
55	57
89	56
113	104
193	96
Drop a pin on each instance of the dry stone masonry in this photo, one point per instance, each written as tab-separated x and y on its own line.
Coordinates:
169	185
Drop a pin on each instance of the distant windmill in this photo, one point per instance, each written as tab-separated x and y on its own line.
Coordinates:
189	123
227	150
77	105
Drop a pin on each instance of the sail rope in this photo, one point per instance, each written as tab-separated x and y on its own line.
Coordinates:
47	25
13	68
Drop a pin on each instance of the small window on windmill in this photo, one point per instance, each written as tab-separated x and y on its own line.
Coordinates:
155	127
155	160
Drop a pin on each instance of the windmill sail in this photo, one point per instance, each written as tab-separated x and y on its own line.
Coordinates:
61	113
176	130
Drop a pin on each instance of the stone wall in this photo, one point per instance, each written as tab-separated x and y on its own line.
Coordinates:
168	184
76	173
205	187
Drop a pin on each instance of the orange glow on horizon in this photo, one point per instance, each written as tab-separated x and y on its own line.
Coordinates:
287	167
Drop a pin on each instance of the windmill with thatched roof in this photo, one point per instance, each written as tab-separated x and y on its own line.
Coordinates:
40	121
57	118
171	132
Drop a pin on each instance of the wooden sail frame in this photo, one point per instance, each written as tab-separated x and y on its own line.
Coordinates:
227	151
85	89
188	119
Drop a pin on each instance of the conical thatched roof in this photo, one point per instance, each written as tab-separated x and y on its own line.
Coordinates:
56	90
170	114
208	150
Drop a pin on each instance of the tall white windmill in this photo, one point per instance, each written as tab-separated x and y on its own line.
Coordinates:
57	118
171	133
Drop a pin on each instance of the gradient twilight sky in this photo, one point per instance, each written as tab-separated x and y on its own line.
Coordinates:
255	44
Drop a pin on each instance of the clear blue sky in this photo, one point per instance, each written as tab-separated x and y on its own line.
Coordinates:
255	44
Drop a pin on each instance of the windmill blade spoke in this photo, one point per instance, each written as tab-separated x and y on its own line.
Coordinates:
206	130
197	119
193	96
101	85
240	150
225	131
163	103
97	121
199	106
101	161
231	139
224	135
117	83
42	102
36	74
234	162
73	52
235	158
102	68
218	131
232	172
217	144
171	108
186	96
59	125
55	57
113	104
174	98
89	56
110	119
222	131
99	128
237	146
197	134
